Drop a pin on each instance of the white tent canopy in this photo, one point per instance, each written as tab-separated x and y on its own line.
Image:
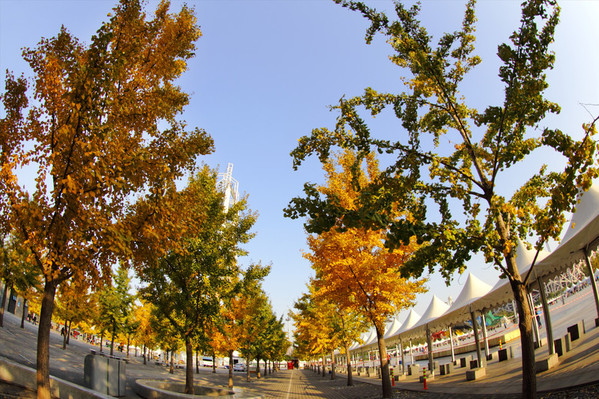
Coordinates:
392	329
363	338
474	288
435	309
582	231
371	339
409	322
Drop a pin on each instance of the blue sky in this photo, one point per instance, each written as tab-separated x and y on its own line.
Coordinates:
266	71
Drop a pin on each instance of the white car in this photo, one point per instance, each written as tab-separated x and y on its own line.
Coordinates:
239	367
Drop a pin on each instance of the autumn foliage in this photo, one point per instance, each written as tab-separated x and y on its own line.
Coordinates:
100	130
448	161
354	269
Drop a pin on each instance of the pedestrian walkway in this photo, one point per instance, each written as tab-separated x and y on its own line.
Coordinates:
503	380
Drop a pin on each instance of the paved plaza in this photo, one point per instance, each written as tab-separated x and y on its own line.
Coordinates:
578	367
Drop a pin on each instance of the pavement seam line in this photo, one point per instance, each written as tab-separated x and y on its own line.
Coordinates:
289	386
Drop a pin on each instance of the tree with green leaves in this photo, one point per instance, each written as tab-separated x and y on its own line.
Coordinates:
116	304
262	332
314	328
104	129
275	341
130	327
257	311
191	282
167	338
459	182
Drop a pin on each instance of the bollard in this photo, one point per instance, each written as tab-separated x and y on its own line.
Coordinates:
392	378
424	375
500	345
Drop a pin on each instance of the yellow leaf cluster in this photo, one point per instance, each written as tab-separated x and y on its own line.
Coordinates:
353	268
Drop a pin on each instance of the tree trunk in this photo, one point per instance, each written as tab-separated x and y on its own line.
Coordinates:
101	340
145	358
188	367
112	338
258	367
529	378
247	373
128	341
24	312
350	378
64	336
332	365
172	368
43	341
384	363
3	305
431	361
68	332
476	340
230	369
197	361
213	362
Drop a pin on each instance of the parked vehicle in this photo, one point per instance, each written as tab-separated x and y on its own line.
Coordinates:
239	367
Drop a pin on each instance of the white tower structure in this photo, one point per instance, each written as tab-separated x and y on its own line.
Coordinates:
229	186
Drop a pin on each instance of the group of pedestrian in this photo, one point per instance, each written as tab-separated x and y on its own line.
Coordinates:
32	318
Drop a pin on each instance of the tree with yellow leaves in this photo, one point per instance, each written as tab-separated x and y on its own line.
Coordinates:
145	334
229	327
72	305
353	267
104	129
321	326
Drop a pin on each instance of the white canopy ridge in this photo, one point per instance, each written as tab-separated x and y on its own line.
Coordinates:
409	322
474	288
435	309
393	328
582	231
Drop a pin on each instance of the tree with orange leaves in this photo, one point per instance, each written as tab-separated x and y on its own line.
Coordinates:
229	327
104	129
353	268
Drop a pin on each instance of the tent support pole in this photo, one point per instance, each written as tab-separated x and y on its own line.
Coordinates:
403	361
535	324
548	325
485	337
429	341
451	345
475	328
